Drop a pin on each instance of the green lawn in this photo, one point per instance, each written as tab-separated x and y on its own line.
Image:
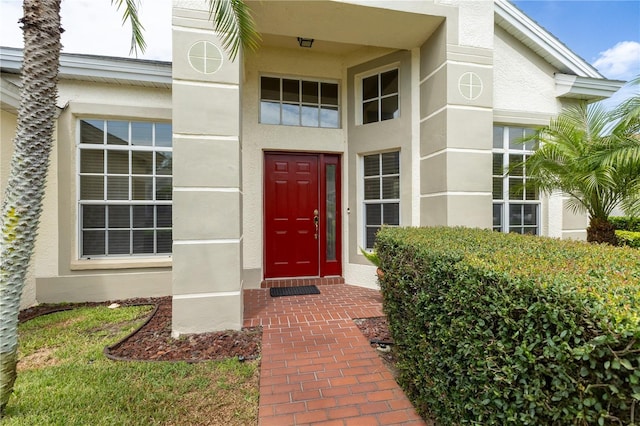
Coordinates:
64	378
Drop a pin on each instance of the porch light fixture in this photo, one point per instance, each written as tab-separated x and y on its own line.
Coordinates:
305	42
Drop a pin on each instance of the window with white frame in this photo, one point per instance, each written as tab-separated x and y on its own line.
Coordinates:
516	206
381	193
380	99
124	188
305	103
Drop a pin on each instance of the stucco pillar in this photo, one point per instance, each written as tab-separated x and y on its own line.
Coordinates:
207	195
456	122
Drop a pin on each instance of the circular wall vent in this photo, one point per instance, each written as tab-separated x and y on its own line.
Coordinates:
470	85
205	57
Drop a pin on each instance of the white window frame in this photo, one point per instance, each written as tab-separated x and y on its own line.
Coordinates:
301	103
359	95
104	147
506	202
364	202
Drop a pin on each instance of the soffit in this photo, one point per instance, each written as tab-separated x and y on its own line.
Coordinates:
99	69
340	28
585	88
9	96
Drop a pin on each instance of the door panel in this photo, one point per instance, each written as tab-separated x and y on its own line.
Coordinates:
296	187
291	196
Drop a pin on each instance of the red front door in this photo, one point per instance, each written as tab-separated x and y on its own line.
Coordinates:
302	224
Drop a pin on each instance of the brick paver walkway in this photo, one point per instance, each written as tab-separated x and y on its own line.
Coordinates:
317	367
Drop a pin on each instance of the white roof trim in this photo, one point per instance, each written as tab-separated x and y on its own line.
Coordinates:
571	86
515	22
92	67
9	96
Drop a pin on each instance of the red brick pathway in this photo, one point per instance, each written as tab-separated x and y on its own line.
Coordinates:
317	368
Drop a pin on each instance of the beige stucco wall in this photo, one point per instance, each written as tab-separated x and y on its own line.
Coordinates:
455	125
208	201
60	274
475	22
7	133
523	81
382	136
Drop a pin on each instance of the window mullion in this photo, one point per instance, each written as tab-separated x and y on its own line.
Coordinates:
130	229
130	177
106	230
380	177
505	183
281	99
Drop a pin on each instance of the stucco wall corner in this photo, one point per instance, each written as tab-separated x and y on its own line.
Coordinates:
475	26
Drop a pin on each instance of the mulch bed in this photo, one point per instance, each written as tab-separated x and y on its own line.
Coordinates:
377	331
153	341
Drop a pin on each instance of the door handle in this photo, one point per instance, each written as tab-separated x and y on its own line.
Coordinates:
316	221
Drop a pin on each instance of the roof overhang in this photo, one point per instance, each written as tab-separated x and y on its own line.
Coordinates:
543	43
98	68
585	88
9	96
331	23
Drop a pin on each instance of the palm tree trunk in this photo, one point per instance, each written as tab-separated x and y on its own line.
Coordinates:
601	231
22	200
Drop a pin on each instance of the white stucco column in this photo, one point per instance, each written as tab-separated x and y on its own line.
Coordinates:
207	195
456	118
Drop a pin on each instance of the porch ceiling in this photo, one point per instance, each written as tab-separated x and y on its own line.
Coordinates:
338	27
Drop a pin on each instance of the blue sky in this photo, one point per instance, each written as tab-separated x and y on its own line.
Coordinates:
605	33
596	30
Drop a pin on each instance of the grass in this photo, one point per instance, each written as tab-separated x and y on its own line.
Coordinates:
64	378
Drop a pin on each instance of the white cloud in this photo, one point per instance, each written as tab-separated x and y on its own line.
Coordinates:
621	62
95	27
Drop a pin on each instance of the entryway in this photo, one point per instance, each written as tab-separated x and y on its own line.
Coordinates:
302	215
317	367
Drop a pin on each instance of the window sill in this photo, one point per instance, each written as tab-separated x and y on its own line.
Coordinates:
107	263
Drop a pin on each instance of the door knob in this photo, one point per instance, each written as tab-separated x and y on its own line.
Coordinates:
316	221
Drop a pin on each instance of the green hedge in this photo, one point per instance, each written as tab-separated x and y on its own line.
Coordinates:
507	329
628	238
624	223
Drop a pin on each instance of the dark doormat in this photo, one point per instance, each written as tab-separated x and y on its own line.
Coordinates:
293	291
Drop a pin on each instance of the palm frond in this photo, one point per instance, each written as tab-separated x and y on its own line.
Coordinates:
579	155
235	25
631	205
575	205
630	109
130	13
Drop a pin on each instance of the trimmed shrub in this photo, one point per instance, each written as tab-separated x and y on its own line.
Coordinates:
509	329
624	223
628	238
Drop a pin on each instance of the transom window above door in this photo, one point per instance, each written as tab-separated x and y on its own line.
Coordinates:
380	97
292	102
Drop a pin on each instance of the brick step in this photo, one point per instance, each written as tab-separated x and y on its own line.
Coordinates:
295	282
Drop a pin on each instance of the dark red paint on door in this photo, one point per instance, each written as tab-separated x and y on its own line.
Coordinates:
297	227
